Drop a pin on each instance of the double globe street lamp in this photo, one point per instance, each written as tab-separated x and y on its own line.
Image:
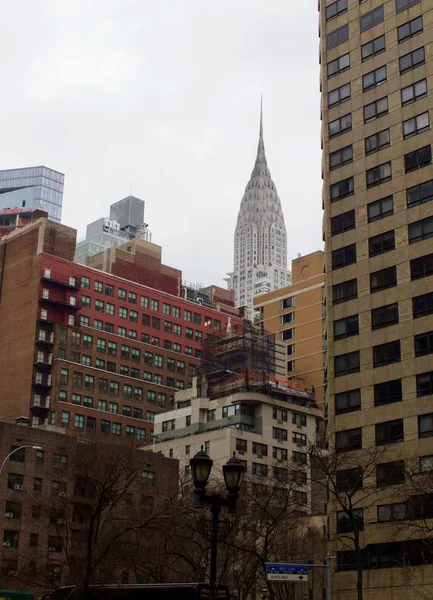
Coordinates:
233	471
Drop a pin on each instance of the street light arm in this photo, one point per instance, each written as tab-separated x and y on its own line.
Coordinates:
16	450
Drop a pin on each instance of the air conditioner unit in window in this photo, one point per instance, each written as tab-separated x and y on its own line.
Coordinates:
299	426
62	494
279	421
52	549
7	544
18	487
9	515
61	521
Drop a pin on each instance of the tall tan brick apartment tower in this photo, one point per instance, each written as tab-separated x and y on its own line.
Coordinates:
377	99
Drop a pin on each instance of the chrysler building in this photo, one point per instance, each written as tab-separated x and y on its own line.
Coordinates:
260	244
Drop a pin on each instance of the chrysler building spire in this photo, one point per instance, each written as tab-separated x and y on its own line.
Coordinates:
260	241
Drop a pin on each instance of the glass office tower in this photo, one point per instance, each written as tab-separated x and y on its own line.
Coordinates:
32	187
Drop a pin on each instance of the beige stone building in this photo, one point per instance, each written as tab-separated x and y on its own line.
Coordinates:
376	83
295	315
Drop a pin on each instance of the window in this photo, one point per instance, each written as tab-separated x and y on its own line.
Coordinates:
259	469
347	401
121	294
379	244
287	334
414	92
348	522
374	78
390	432
342	189
376	109
299	420
416	125
383	279
372	48
288	302
11	538
377	141
418	159
197	318
86	301
404	4
412	60
424	384
422	305
386	354
299	438
350	439
342	292
349	480
85	283
299	458
79	421
18	455
241	446
421	267
148	477
132	297
290	366
340	125
280	414
65	418
420	230
279	434
338	65
418	194
384	316
279	453
260	450
371	18
339	95
409	29
98	286
344	364
177	329
426	463
60	462
287	318
37	484
335	9
425	425
337	37
424	344
378	175
341	157
380	209
342	257
187	315
346	327
116	428
154	305
392	512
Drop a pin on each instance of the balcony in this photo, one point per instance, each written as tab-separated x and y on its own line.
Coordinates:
39	381
44	337
39	402
43	361
66	281
49	297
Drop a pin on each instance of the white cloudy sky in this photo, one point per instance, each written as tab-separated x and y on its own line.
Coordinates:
165	94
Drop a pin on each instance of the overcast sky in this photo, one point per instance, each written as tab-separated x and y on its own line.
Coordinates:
164	96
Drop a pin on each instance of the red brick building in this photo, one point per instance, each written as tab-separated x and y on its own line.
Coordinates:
45	504
86	349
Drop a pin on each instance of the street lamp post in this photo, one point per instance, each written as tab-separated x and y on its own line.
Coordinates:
16	450
233	471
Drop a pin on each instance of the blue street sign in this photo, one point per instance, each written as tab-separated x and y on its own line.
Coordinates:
284	572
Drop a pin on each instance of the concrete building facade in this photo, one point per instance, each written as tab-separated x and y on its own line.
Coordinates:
260	240
295	315
376	83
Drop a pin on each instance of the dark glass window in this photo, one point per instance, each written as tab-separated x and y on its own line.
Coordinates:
420	230
335	9
343	256
346	327
379	174
412	60
375	109
388	392
418	159
377	141
383	279
342	189
424	344
425	425
384	316
386	354
371	18
348	522
374	47
350	439
414	92
424	384
421	267
409	29
342	292
404	4
347	401
338	65
390	432
349	480
344	364
384	242
340	157
343	222
339	95
418	194
422	305
391	473
374	78
340	125
380	209
337	37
